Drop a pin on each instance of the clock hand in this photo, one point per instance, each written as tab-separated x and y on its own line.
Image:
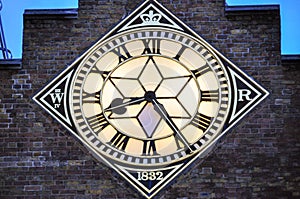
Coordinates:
118	106
159	108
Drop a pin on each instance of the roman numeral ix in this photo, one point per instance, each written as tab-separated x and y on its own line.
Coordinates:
98	122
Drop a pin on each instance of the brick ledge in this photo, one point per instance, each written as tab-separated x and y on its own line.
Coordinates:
10	64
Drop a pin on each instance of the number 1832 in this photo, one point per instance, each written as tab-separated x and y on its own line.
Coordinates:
150	175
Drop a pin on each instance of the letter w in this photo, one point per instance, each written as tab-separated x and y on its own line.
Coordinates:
56	97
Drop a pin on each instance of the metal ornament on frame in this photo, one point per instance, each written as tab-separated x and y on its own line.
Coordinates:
111	117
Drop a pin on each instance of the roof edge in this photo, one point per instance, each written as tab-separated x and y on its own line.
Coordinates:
292	57
254	8
69	13
291	62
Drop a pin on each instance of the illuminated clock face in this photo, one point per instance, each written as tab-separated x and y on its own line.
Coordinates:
150	97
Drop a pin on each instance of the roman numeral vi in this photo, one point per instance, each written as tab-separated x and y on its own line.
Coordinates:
149	148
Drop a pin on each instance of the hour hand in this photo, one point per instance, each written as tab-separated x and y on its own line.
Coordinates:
118	106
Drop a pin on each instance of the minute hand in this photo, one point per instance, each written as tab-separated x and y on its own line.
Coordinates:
159	108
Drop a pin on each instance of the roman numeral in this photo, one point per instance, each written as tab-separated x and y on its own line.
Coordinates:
120	141
210	96
201	70
152	46
96	70
122	52
91	98
201	121
177	141
149	148
98	122
180	52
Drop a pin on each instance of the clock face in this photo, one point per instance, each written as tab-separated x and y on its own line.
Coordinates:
150	97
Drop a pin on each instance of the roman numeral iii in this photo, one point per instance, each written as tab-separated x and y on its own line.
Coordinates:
210	96
201	121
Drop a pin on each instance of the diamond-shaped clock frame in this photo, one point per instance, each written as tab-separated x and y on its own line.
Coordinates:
246	93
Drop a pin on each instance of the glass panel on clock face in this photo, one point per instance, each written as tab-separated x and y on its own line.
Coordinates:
171	68
166	146
149	119
173	87
90	109
192	133
151	76
134	47
191	59
208	81
107	62
130	69
93	79
128	88
209	108
170	48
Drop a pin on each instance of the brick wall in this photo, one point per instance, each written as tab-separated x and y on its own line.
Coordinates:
39	158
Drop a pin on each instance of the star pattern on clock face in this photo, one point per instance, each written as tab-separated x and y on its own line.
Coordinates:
150	97
165	79
131	92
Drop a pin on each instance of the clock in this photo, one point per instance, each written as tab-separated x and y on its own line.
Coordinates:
150	97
